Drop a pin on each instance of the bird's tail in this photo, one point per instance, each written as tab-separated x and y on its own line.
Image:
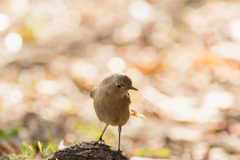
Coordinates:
134	113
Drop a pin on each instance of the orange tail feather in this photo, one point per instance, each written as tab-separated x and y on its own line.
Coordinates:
134	113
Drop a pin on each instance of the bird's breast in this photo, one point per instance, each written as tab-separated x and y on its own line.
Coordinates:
112	110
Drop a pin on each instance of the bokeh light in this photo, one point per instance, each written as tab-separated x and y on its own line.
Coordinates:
84	69
234	26
4	22
141	11
19	7
13	42
47	87
16	95
116	64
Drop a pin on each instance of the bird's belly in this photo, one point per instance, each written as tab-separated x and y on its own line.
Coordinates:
115	114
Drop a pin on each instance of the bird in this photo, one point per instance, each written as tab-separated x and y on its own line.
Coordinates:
111	102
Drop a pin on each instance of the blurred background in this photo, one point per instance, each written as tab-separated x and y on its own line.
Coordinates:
182	55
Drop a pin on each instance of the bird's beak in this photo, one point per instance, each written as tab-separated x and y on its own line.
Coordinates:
133	88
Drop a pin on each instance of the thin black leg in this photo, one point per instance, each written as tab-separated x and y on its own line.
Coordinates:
103	132
119	131
100	139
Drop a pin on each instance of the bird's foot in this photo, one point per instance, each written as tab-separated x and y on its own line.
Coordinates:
100	141
117	152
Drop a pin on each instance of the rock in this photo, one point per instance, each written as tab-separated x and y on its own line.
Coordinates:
88	151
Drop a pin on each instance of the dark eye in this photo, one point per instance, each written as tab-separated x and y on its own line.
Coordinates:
119	86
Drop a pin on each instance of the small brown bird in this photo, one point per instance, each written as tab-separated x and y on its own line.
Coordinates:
112	100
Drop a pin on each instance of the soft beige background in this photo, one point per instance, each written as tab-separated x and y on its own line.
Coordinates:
182	55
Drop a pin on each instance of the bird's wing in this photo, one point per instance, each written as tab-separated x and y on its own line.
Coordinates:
92	94
134	113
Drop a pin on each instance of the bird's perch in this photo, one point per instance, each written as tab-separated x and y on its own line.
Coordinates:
87	151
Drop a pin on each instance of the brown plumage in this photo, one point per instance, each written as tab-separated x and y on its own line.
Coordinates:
112	100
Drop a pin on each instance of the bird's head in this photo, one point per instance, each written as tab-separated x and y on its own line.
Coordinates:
118	84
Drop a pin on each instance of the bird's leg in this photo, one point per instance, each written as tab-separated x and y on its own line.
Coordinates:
100	139
119	131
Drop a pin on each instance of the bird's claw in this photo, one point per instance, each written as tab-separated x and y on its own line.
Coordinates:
100	141
117	152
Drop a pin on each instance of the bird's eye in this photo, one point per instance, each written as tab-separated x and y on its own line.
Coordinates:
118	86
